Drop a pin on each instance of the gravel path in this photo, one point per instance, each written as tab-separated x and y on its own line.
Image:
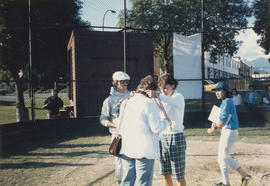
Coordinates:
202	168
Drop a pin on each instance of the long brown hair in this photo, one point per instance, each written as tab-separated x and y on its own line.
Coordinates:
228	93
146	83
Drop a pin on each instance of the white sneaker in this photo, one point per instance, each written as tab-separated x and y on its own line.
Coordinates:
246	180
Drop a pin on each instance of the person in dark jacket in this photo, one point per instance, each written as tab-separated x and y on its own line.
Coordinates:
52	104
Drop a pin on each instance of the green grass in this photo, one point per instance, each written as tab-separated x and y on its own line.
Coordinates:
259	135
8	109
193	105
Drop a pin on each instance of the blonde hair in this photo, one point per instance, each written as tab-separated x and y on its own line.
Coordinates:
147	83
114	83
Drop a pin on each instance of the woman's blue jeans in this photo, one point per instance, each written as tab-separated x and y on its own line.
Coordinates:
139	170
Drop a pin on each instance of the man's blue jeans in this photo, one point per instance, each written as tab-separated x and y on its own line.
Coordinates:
139	170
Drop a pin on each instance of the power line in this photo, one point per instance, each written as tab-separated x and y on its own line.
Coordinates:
259	67
60	26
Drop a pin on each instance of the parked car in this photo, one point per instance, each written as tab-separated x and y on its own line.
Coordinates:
209	85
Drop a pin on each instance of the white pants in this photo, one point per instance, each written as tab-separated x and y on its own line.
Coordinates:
226	141
118	169
118	166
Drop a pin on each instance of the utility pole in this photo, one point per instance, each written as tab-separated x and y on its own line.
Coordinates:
202	59
30	82
125	50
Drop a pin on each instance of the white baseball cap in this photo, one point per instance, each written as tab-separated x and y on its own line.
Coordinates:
119	75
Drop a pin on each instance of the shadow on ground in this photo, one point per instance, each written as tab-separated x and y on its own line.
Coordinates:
21	138
7	103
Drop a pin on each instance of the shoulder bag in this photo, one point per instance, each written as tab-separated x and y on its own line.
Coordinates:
116	144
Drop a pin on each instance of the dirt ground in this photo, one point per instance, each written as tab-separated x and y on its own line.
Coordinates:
201	167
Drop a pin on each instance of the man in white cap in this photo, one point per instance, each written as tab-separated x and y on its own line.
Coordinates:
110	110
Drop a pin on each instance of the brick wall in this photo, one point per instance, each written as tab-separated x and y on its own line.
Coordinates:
96	55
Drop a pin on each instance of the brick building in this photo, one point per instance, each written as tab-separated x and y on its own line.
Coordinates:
94	56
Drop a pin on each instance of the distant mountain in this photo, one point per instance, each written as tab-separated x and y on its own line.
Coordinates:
259	64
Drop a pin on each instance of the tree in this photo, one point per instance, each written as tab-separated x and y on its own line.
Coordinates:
52	22
184	17
262	23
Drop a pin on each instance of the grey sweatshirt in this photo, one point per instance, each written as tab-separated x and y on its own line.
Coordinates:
110	108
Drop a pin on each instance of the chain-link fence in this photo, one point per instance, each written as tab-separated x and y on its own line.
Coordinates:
163	20
9	112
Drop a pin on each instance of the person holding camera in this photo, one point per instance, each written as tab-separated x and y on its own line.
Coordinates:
141	125
172	140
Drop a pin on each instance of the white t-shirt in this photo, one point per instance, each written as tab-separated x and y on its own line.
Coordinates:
237	99
250	97
174	107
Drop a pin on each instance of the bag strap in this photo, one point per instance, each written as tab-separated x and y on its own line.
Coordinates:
161	107
122	116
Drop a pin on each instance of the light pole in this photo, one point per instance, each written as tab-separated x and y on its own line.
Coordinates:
112	11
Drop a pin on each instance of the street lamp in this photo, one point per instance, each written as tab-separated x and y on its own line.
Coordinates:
112	11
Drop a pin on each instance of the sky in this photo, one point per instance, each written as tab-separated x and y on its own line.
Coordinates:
250	49
94	10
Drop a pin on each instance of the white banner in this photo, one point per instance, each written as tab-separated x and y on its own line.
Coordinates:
187	65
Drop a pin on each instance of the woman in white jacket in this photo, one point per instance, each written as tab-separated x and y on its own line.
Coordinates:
141	125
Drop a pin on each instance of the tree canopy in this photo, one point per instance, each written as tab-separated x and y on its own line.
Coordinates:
51	21
262	23
222	22
51	25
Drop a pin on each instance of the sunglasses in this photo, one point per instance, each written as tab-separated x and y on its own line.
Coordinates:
124	81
